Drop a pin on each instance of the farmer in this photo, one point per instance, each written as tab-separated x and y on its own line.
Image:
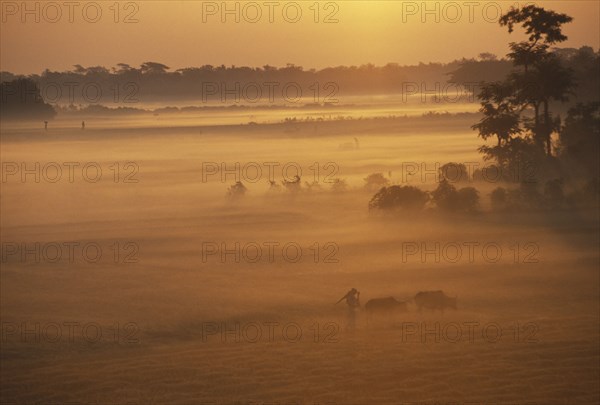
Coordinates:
352	298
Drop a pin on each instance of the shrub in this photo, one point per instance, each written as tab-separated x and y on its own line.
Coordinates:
468	199
529	195
499	197
454	172
236	191
339	185
375	181
554	195
399	197
447	198
294	185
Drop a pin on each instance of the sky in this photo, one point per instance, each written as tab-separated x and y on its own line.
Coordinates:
56	35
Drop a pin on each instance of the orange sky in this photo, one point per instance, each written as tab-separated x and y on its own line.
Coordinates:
193	33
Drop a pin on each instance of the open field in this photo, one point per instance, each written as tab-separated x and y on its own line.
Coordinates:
182	321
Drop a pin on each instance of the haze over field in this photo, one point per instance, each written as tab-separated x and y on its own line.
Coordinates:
174	241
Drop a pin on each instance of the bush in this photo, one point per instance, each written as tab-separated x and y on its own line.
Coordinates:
444	196
520	171
447	198
454	172
554	195
399	197
468	199
579	140
339	186
499	197
293	186
529	195
588	195
314	186
236	191
375	181
525	197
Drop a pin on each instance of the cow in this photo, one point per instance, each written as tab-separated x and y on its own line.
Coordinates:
434	300
387	306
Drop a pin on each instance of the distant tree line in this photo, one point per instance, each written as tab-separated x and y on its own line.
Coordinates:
154	81
128	86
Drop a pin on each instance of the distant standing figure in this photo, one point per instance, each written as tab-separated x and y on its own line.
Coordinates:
82	125
45	125
352	298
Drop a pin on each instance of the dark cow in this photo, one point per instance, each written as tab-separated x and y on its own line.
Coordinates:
434	300
388	306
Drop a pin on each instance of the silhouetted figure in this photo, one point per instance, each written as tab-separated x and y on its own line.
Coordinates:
82	125
352	298
45	125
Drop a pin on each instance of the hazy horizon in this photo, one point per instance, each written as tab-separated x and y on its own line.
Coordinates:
379	28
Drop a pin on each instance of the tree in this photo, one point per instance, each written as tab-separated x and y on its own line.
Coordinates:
579	139
236	191
399	197
500	117
499	198
375	181
153	68
543	78
516	110
445	196
21	99
448	198
454	172
339	186
538	23
122	68
486	56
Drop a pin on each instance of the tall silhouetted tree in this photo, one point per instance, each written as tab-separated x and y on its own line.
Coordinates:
516	110
539	77
500	118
